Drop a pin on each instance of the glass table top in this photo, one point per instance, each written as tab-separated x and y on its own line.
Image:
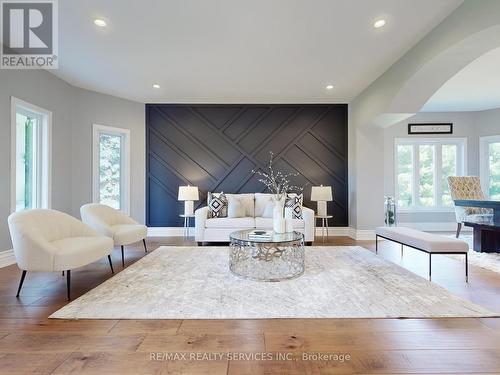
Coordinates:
242	235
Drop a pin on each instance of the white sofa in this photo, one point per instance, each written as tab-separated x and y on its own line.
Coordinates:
218	229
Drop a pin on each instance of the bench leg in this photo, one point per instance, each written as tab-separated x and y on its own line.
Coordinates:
466	268
376	244
430	266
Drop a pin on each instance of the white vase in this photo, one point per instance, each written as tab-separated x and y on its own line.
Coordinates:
279	223
288	225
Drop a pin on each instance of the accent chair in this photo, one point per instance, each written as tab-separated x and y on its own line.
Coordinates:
115	224
49	240
466	187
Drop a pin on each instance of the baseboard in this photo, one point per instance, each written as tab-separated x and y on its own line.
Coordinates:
362	234
435	226
7	258
333	231
168	231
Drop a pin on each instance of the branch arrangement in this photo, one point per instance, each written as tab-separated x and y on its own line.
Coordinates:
278	183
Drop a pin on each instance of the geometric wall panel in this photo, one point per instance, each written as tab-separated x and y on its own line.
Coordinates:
215	147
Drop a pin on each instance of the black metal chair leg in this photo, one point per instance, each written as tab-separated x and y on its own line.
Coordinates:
68	283
123	258
111	264
466	269
145	248
63	273
376	244
430	267
21	283
459	227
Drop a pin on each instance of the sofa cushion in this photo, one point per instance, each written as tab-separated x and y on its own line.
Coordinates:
247	200
217	204
261	200
227	222
235	207
267	223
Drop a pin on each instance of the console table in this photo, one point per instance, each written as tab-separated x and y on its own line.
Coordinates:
486	232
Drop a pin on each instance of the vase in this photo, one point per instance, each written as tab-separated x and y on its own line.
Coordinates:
279	222
390	211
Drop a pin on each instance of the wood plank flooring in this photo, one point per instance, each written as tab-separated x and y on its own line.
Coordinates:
32	344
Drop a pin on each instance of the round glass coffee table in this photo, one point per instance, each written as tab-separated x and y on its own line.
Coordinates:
281	257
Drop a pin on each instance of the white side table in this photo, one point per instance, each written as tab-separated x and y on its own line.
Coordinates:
324	223
186	223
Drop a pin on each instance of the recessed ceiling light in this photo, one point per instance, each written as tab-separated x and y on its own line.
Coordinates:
156	86
329	87
100	23
379	23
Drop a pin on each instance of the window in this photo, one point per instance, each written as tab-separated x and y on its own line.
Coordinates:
422	167
111	161
490	166
30	161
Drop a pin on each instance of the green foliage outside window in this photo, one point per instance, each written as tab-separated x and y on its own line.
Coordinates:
494	164
110	170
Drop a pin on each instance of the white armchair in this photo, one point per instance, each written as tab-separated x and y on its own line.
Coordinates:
49	240
115	224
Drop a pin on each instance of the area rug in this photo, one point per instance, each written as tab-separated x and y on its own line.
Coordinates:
195	283
489	261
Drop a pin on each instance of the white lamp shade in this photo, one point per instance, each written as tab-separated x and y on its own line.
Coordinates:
321	193
188	193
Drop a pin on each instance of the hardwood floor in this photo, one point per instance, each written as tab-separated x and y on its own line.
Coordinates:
32	344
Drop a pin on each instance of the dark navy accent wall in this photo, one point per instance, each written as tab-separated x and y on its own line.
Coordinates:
215	147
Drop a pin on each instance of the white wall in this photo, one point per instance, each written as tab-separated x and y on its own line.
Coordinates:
94	108
74	111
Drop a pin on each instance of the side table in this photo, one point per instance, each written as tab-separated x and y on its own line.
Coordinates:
186	223
324	223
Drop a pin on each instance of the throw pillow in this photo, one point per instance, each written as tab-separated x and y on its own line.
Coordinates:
294	201
217	205
235	207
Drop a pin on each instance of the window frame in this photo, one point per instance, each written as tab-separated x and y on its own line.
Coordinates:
461	143
44	153
97	130
484	157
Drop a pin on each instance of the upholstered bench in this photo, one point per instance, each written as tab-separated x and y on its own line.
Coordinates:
423	241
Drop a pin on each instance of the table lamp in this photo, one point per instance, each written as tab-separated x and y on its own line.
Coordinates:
188	194
321	194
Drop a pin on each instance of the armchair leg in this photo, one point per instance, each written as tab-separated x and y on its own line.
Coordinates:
459	227
68	283
145	248
123	258
111	264
21	283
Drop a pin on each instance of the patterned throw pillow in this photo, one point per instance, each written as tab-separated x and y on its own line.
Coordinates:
217	205
294	201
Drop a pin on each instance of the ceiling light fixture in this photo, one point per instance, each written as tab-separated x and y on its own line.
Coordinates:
329	87
100	23
379	23
156	86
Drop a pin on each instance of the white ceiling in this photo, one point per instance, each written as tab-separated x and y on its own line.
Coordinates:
238	51
474	88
